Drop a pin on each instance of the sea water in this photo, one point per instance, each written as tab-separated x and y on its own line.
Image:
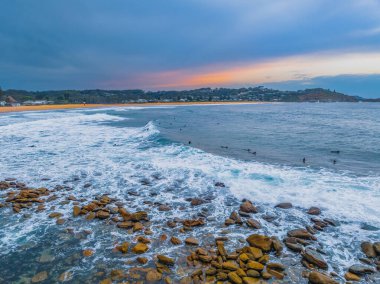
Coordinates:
168	154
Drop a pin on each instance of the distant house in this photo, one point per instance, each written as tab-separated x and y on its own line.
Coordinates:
10	101
37	103
2	103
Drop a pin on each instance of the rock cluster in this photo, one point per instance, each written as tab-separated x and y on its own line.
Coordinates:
245	265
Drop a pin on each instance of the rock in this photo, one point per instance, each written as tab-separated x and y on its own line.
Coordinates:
314	211
87	252
260	241
253	273
228	265
123	248
320	278
253	223
102	214
125	225
142	260
175	241
139	216
55	215
284	205
39	277
65	276
153	275
264	259
229	222
192	241
140	248
276	266
165	260
45	258
351	277
376	247
144	240
254	265
60	221
248	207
361	269
275	273
137	227
277	245
235	216
219	184
194	222
76	211
314	258
301	233
197	201
234	278
255	252
164	208
250	280
368	249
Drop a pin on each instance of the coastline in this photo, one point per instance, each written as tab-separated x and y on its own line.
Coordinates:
81	106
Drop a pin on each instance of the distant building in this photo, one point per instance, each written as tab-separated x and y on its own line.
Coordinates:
10	101
37	103
2	103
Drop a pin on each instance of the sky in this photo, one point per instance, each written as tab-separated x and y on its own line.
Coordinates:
187	44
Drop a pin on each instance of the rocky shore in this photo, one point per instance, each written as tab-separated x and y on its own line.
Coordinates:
197	249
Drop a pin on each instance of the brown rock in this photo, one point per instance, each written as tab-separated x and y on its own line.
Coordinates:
260	241
175	241
140	248
253	273
284	205
248	207
125	225
229	265
376	247
55	215
193	223
65	276
314	258
102	214
277	245
301	233
314	211
368	249
87	252
123	247
320	278
255	252
76	211
165	260
191	241
142	260
137	227
164	207
253	223
255	265
197	201
235	278
39	277
351	277
153	275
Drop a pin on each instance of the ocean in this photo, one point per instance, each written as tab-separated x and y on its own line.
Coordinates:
310	154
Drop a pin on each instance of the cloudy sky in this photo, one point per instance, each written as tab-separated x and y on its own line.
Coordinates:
180	44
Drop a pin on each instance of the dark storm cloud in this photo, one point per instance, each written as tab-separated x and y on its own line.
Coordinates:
51	44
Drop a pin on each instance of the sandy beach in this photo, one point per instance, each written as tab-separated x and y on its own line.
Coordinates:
79	106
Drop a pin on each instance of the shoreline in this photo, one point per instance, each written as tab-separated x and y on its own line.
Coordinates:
8	109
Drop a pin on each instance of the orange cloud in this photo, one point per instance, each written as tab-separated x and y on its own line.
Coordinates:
274	70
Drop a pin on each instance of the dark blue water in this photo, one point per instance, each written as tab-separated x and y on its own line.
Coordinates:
278	133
